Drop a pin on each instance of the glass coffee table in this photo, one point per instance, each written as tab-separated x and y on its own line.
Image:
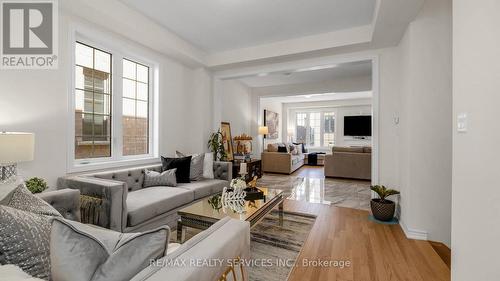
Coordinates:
202	214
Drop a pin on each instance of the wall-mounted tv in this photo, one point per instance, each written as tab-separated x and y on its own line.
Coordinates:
358	126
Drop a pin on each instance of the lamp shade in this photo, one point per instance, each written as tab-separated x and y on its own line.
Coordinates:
16	147
263	130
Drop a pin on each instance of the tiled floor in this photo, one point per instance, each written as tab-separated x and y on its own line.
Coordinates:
309	184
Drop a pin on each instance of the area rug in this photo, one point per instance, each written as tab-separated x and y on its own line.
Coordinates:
346	193
277	247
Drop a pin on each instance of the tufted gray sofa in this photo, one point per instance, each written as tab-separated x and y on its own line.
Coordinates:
127	207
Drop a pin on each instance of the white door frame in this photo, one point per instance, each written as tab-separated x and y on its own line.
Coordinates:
290	66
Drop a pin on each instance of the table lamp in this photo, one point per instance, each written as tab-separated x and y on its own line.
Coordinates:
263	130
14	148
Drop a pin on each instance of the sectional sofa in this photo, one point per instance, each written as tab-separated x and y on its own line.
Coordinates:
128	207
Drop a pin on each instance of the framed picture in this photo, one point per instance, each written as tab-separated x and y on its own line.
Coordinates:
227	140
271	120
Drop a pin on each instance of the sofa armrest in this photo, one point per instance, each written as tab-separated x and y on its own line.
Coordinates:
223	242
65	201
276	162
113	214
223	170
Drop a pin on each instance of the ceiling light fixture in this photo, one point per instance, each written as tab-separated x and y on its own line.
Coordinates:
319	67
262	74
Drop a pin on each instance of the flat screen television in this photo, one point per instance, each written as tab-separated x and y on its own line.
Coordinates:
358	126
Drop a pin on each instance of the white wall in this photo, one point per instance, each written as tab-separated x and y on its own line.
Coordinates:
425	139
37	101
476	194
235	99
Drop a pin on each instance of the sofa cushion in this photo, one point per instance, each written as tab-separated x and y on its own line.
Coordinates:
204	188
196	169
82	252
356	149
296	159
147	203
183	166
272	147
166	178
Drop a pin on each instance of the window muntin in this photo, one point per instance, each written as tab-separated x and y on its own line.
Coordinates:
135	108
315	128
92	102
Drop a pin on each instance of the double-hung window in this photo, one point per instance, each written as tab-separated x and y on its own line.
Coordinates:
315	128
113	116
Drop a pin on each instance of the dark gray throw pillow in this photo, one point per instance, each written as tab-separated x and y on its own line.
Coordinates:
196	170
183	166
25	241
82	252
166	178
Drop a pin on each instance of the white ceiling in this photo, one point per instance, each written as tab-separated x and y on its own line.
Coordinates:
300	76
220	25
321	97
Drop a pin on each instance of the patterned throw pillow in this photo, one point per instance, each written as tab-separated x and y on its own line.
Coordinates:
24	200
153	178
196	170
25	241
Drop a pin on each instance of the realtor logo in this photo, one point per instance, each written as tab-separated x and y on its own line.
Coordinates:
29	34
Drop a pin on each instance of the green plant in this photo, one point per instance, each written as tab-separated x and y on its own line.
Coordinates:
383	192
216	146
36	185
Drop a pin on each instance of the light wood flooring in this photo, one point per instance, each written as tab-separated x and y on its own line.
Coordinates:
375	251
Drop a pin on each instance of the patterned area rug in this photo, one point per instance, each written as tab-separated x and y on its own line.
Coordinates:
277	245
346	193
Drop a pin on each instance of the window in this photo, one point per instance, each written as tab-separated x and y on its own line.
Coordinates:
101	132
135	120
315	128
92	103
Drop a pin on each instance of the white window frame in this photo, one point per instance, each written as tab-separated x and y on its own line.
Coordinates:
102	41
322	112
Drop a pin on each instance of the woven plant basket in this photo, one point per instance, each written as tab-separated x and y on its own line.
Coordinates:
383	211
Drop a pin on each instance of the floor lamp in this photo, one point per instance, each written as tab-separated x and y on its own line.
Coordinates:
263	130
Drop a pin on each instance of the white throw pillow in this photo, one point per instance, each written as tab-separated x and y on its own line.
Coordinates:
208	165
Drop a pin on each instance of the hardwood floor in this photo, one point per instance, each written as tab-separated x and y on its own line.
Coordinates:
375	251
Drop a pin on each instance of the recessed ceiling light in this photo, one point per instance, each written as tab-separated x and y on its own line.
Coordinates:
307	96
319	67
262	74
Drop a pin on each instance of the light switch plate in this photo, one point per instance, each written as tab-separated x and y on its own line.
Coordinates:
462	123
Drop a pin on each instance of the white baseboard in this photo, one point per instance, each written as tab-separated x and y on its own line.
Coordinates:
413	233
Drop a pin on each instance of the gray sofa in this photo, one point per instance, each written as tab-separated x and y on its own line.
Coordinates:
127	207
225	241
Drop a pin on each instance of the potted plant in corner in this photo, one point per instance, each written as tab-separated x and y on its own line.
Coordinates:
382	208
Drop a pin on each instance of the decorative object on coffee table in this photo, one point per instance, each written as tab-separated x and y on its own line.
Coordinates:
215	145
382	208
14	148
227	140
36	185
